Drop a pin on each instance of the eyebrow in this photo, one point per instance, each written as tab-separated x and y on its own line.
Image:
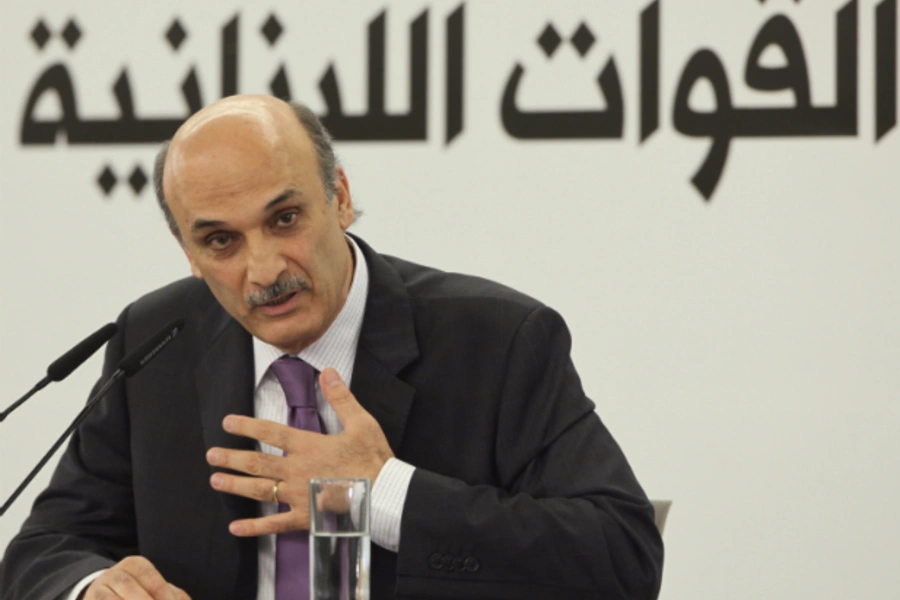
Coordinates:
284	196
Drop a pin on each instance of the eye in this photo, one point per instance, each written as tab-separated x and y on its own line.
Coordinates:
286	219
218	241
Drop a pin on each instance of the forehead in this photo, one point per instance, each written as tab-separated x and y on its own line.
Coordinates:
239	156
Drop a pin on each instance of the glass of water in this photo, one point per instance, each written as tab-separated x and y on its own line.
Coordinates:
339	539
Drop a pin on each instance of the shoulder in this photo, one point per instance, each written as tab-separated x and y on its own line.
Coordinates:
430	286
453	306
440	295
188	299
177	299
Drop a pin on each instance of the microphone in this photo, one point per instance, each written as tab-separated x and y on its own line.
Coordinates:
63	366
135	360
130	364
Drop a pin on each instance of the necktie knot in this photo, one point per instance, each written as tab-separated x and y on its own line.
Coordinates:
298	379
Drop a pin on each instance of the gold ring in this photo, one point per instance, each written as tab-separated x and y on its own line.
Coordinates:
275	492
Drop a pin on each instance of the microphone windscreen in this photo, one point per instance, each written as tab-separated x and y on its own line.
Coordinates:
63	366
135	360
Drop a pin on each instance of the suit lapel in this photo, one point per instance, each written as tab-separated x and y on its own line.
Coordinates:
224	380
224	383
383	395
387	344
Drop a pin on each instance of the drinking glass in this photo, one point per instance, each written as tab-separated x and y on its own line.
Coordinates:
339	539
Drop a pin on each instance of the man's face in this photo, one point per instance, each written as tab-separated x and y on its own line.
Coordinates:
257	225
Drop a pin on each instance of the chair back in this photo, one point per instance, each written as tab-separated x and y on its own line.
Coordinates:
661	508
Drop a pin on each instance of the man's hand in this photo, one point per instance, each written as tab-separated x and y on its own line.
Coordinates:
133	578
360	450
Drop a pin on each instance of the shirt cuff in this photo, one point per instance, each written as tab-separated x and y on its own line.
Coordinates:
81	585
388	500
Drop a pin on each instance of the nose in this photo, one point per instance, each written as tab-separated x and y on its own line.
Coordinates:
264	262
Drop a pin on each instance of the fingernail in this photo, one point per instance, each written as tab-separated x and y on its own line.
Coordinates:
216	480
212	457
331	378
228	424
236	528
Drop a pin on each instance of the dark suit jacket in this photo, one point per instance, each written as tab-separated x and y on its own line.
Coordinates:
519	492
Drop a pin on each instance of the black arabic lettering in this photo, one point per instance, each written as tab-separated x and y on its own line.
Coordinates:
454	74
779	31
566	124
727	122
190	88
885	68
715	124
124	130
55	79
127	129
649	70
376	124
229	47
279	85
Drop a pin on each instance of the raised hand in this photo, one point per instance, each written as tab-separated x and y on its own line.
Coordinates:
360	450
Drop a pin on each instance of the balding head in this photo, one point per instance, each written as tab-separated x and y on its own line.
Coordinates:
265	114
269	117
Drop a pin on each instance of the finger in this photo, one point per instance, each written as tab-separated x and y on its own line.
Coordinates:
277	523
118	584
258	464
178	593
283	437
133	577
256	488
339	396
99	591
147	578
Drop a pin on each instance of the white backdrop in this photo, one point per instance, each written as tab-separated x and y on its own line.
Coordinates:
743	350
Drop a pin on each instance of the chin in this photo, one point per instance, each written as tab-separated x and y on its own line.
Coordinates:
290	342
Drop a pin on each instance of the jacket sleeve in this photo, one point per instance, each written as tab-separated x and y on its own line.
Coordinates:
84	521
567	518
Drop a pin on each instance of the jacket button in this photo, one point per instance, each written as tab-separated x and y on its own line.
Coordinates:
434	561
471	564
447	562
458	563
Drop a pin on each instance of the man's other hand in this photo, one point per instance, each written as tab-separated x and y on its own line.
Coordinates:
360	450
133	578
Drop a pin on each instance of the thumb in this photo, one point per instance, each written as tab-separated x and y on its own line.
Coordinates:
339	396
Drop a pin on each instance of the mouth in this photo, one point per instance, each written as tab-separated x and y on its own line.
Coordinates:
280	300
280	306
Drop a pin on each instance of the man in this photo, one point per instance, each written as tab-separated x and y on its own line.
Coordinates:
492	475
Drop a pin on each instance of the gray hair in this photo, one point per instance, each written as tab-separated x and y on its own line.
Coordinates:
325	156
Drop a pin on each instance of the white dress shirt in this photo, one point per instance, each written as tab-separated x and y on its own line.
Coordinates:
336	349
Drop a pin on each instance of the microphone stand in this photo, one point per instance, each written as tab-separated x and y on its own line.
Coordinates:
133	362
38	387
59	442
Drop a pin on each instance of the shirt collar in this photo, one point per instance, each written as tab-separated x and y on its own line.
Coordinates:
337	347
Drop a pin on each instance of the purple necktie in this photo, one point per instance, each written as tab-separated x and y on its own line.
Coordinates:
298	379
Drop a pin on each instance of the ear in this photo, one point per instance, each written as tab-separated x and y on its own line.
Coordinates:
195	271
343	200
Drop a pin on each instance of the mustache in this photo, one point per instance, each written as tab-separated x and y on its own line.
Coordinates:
295	283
